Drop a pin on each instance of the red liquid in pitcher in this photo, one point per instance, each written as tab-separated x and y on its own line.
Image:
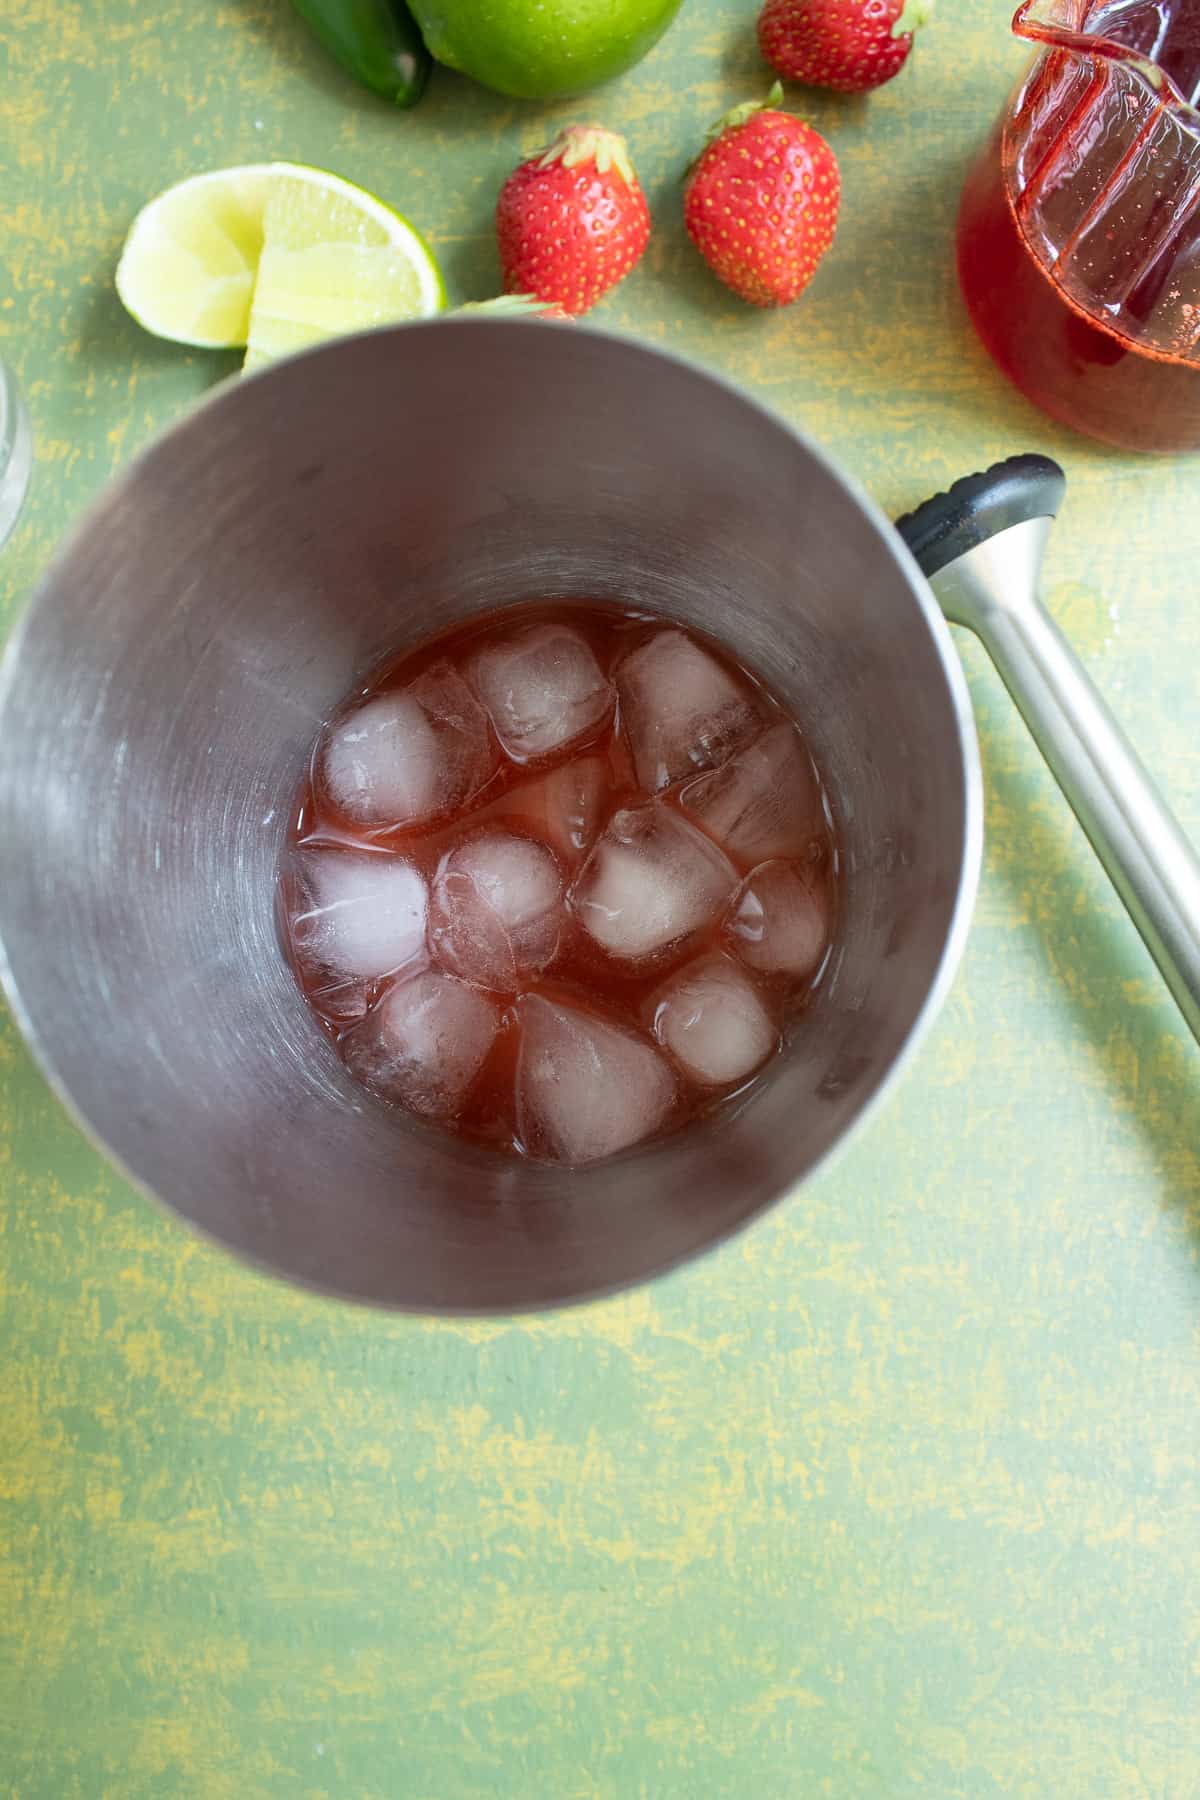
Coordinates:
1079	230
560	879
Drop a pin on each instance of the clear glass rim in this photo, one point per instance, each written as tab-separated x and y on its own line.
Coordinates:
1061	25
16	451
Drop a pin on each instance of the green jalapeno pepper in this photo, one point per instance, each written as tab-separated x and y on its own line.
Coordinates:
376	41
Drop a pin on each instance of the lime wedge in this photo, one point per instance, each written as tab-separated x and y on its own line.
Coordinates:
188	266
334	259
274	256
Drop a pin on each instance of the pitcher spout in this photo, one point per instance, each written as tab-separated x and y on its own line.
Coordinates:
1159	41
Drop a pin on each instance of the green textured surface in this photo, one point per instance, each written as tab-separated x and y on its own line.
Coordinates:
898	1495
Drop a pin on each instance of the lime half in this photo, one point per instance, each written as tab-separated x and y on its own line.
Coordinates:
274	256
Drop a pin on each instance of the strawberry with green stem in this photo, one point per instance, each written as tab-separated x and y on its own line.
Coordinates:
511	306
849	45
761	202
572	221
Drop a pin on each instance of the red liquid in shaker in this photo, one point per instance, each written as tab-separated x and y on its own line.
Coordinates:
1079	231
560	880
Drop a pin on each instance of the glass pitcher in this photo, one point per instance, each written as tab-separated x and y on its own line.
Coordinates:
1079	232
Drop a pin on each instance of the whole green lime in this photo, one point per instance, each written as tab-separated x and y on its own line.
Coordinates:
542	49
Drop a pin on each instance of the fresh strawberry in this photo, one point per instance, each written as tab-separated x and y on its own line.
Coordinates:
572	221
761	203
851	45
